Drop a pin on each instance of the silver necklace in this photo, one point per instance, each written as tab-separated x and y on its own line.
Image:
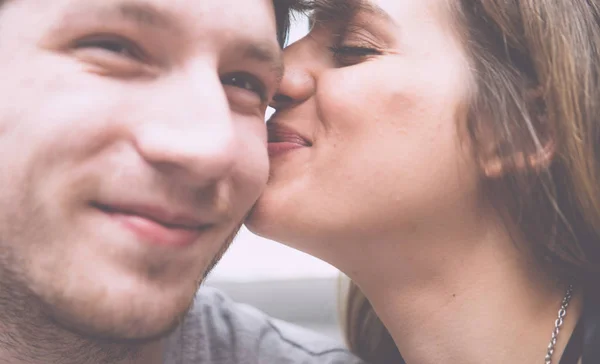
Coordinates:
562	312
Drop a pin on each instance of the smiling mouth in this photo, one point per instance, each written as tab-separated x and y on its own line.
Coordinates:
155	226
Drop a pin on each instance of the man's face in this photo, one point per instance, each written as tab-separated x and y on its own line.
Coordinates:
132	144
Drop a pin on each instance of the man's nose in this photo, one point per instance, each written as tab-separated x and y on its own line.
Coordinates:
190	129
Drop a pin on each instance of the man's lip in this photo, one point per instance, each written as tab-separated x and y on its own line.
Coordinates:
163	216
155	225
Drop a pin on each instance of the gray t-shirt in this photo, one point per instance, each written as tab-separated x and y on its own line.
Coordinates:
219	331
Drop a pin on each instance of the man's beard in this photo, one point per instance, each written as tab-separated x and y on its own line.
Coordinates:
221	252
29	332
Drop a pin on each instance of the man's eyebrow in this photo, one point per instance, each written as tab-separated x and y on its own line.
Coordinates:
265	52
148	15
143	14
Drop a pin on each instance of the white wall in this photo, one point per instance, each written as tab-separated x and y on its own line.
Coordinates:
252	258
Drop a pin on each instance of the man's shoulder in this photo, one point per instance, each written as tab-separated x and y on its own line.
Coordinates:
218	330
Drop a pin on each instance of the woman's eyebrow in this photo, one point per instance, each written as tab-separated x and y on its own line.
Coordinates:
341	10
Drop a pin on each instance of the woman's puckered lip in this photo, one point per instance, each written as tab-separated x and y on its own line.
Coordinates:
278	133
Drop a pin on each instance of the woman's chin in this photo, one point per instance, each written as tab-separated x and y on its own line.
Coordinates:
276	217
254	223
260	221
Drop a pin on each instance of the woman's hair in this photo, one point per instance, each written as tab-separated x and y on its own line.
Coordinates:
283	15
536	96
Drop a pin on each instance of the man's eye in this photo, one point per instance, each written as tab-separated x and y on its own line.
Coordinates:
112	44
246	82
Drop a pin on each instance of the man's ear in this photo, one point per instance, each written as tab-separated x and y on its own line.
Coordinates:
533	153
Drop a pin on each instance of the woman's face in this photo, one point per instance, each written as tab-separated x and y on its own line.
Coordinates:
367	138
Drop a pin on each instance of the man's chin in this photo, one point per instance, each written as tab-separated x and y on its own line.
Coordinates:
139	327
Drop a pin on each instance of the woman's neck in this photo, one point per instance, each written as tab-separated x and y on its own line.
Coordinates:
478	301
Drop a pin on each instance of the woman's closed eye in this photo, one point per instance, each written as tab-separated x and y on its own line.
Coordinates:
348	55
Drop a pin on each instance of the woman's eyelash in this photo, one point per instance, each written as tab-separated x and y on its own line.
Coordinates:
354	51
347	55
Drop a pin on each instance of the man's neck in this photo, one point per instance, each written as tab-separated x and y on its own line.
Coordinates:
27	336
484	304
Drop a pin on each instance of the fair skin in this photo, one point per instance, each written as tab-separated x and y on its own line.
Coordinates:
133	143
370	171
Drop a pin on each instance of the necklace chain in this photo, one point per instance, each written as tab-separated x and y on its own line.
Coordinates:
562	312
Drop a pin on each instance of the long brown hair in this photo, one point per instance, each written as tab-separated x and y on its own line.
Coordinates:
536	89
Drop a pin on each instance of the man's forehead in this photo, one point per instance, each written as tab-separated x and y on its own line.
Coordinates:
178	11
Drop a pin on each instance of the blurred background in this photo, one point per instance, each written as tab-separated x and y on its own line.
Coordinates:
281	281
